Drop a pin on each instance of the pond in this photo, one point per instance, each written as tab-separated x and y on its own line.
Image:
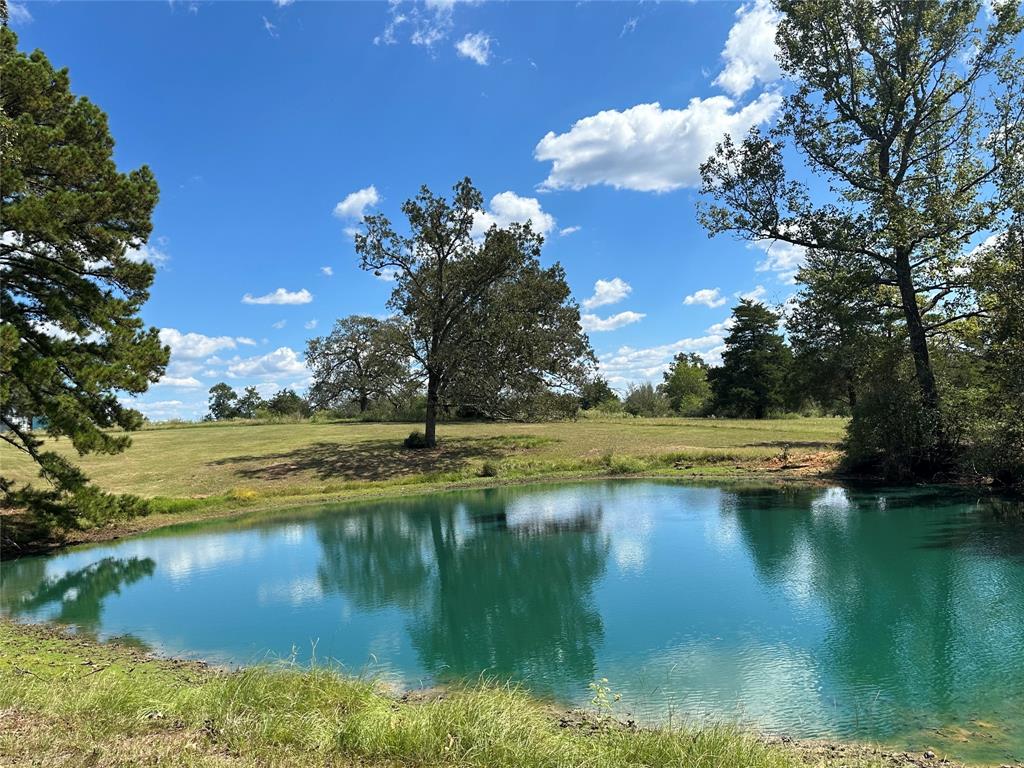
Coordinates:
890	616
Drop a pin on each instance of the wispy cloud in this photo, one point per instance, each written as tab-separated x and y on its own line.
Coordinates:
476	46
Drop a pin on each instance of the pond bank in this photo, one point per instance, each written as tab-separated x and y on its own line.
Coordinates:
20	537
66	700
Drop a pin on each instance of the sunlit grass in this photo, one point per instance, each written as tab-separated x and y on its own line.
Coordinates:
70	700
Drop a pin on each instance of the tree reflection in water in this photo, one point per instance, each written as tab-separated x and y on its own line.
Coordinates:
483	594
75	597
921	595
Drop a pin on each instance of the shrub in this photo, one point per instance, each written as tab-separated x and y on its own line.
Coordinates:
645	400
489	469
416	440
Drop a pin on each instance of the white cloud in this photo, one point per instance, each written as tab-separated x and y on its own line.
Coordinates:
355	204
608	292
279	324
722	328
246	340
271	28
194	345
283	3
508	207
784	259
387	274
327	270
310	324
630	26
753	295
18	13
181	382
611	323
628	364
161	410
147	252
476	46
647	148
709	297
283	361
565	231
280	296
749	52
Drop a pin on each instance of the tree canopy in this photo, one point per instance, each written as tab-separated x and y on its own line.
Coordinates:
484	323
911	114
362	360
752	379
72	345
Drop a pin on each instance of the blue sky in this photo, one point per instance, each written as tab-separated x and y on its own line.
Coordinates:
271	127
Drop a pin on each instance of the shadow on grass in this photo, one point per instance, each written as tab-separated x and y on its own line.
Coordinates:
367	460
793	444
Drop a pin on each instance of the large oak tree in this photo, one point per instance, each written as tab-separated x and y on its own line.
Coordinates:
485	324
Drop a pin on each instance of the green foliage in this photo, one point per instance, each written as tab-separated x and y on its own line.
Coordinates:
645	400
892	108
486	326
416	441
686	385
489	469
223	402
752	380
596	392
362	361
287	402
71	342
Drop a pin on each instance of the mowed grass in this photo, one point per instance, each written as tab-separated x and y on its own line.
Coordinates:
299	459
70	702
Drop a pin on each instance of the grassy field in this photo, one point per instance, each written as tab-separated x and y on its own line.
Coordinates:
205	469
66	701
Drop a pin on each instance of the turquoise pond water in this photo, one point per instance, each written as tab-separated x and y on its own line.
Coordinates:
888	616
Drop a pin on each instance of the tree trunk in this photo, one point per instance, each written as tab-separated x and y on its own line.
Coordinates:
430	428
915	331
364	402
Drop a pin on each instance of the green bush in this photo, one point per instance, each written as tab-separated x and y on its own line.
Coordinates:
416	440
489	469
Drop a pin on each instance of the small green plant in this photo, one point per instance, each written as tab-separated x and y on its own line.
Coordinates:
416	440
604	699
489	469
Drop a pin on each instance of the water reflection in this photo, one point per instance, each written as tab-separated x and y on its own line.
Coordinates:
75	597
485	592
921	629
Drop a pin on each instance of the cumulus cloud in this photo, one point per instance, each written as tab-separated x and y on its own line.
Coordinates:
608	292
508	207
355	203
784	259
328	271
282	362
630	364
647	148
611	323
195	345
476	46
709	297
280	296
162	410
749	52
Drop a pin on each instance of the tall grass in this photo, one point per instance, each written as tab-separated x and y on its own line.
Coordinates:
122	705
